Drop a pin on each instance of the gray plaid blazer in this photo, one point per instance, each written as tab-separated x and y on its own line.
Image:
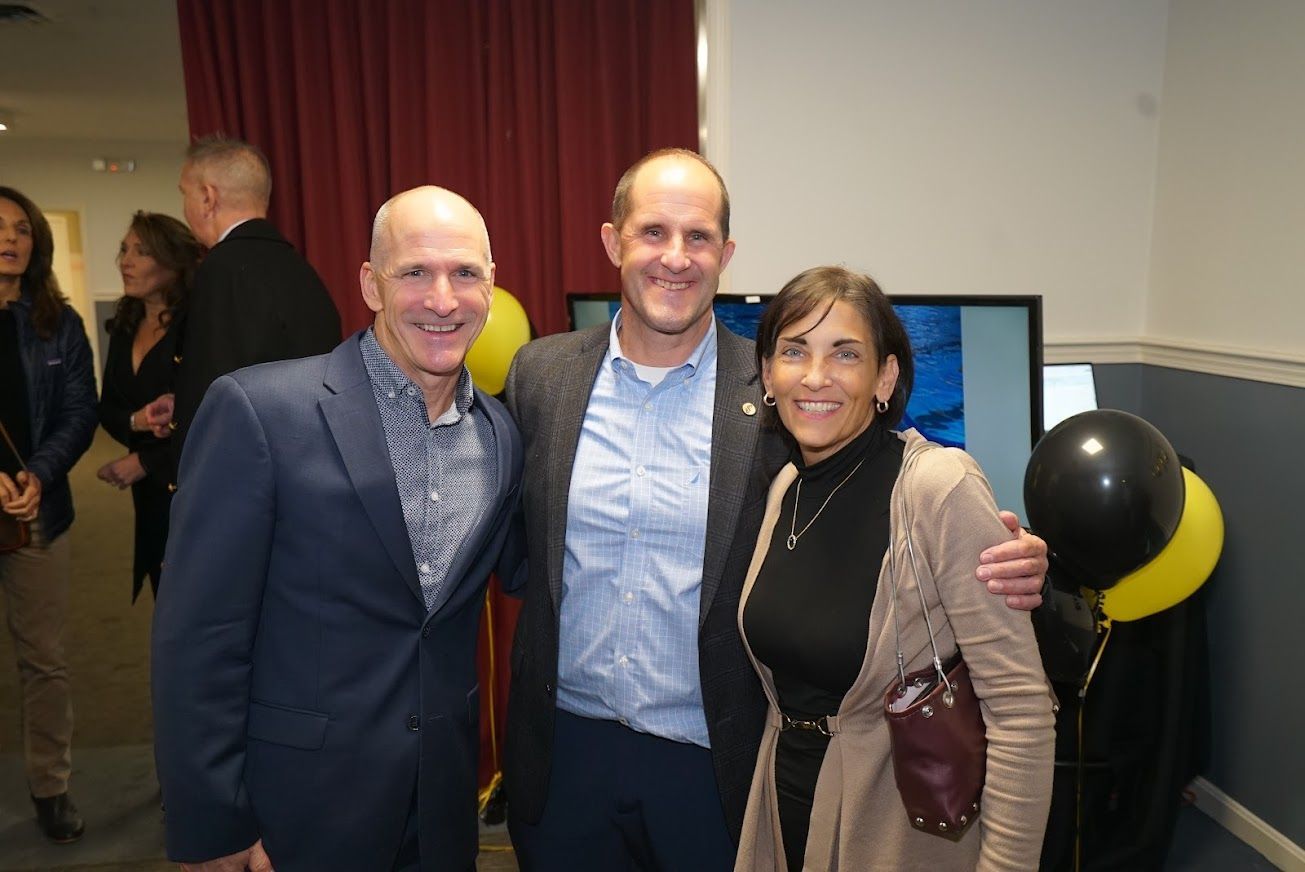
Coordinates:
548	391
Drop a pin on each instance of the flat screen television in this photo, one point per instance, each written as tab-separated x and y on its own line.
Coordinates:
978	371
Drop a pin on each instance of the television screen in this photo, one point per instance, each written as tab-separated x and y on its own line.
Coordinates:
978	372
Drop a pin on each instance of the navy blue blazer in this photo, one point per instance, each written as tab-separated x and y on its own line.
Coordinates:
302	693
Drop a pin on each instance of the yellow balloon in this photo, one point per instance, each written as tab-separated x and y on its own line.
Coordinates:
506	329
1180	568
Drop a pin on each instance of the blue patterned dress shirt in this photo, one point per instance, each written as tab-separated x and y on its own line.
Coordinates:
636	531
445	471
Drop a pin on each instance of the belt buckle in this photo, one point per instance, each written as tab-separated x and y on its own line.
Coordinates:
819	725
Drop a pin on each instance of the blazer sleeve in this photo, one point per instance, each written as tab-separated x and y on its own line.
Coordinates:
114	409
74	420
205	625
1002	655
216	333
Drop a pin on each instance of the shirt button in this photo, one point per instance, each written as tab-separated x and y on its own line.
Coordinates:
434	497
634	534
412	392
624	661
414	723
623	722
647	407
639	471
425	568
629	597
391	394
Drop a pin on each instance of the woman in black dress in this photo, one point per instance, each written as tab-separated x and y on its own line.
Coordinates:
157	259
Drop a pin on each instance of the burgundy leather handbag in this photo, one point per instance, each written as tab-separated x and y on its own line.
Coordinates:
939	741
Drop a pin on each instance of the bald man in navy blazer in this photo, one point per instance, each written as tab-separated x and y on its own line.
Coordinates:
315	695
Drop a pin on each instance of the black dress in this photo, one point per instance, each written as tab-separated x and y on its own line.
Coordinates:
123	393
808	616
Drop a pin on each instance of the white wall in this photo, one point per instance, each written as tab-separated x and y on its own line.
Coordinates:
1006	146
57	175
1228	263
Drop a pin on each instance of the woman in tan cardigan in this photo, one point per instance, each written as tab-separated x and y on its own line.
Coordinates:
816	607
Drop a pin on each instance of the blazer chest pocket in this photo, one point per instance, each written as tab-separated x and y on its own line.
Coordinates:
295	728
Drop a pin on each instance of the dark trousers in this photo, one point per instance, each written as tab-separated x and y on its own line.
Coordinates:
409	856
620	800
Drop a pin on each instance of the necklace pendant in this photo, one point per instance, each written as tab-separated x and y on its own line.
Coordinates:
792	541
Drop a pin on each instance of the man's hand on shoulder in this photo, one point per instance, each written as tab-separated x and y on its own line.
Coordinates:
253	858
1016	568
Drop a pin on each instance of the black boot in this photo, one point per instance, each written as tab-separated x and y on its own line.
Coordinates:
58	818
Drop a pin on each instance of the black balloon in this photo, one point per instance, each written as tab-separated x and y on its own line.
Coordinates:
1106	491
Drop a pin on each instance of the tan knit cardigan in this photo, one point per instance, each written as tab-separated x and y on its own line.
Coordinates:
858	822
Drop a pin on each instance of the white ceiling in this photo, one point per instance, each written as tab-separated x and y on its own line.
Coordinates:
98	70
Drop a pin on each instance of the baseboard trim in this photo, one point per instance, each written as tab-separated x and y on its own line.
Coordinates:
1247	826
1234	362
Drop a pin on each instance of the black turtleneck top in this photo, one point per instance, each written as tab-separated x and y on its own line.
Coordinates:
808	615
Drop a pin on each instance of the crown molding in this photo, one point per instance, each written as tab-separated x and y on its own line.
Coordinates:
1252	364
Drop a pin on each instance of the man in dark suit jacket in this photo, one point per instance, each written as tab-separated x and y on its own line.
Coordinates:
314	659
635	716
255	298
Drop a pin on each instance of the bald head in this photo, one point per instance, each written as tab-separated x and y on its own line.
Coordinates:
430	281
623	198
428	205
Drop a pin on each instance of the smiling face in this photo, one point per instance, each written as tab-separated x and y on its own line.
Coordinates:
15	241
143	277
429	282
671	252
825	376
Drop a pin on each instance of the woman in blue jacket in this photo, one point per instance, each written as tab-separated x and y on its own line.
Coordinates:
47	406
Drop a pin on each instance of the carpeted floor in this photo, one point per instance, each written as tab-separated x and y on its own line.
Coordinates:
108	642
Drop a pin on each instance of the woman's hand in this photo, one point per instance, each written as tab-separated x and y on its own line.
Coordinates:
20	496
155	416
123	472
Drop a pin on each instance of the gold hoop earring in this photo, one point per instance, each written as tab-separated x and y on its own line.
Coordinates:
881	406
767	399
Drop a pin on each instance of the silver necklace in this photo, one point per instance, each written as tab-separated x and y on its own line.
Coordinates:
793	533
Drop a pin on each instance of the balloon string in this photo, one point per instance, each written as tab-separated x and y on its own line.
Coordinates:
1082	704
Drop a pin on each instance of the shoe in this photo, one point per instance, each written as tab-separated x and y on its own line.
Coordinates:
58	818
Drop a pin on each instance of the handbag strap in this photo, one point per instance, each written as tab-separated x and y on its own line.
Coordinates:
924	606
4	431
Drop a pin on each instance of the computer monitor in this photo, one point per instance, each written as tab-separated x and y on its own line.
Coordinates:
1067	389
978	371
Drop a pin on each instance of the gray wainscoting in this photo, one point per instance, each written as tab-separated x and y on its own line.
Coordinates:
1247	440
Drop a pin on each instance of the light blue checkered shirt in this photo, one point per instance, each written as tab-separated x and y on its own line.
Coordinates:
445	471
636	531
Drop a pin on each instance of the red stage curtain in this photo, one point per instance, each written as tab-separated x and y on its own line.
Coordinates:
531	109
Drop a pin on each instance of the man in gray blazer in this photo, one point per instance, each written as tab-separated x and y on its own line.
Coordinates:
635	716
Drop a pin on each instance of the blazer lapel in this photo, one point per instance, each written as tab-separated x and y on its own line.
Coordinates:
733	443
575	381
355	424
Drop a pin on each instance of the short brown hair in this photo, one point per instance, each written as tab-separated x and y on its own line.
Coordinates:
238	169
621	199
823	286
